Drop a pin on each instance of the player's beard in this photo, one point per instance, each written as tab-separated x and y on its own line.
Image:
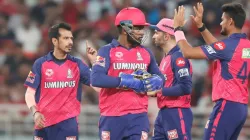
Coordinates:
224	32
132	41
158	44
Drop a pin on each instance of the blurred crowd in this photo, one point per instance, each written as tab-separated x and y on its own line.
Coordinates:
24	28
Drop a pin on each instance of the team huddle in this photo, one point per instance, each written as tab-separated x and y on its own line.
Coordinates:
125	74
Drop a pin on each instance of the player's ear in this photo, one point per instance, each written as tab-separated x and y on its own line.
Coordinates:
166	36
54	41
231	21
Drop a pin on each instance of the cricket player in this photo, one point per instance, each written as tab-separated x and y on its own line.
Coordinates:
54	88
123	102
174	120
231	68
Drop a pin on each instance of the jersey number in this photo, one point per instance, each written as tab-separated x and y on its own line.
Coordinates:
242	74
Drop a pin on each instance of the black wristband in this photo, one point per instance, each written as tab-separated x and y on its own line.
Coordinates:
179	28
202	28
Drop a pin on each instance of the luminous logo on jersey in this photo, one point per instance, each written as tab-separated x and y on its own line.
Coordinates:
31	77
219	46
172	134
246	53
144	135
105	135
180	62
210	49
127	66
59	84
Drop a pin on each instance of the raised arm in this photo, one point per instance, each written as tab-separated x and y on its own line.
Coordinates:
197	19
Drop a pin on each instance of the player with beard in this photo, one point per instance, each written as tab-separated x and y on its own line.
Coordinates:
123	100
174	120
231	68
54	88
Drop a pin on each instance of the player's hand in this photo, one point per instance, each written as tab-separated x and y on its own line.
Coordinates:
91	53
153	93
39	120
129	81
198	10
179	19
154	83
141	74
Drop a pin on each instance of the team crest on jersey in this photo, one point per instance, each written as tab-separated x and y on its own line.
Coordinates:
172	134
180	62
70	75
105	135
245	53
38	138
49	72
119	55
219	46
139	57
31	77
144	135
71	138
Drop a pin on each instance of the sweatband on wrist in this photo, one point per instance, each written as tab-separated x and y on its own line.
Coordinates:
202	28
179	35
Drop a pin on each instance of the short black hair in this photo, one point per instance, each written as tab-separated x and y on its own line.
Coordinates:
54	30
236	12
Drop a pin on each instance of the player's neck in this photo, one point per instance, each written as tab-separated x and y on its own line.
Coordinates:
168	46
123	41
233	31
59	54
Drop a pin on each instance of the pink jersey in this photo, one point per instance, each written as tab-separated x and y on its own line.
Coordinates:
113	59
230	68
58	87
177	70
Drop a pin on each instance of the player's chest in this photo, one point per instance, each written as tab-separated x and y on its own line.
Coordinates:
123	59
65	72
166	68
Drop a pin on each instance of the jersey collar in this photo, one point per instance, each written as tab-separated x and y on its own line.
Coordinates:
238	35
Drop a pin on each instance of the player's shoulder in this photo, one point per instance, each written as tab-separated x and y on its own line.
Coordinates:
41	60
178	54
178	59
227	44
107	47
73	58
146	48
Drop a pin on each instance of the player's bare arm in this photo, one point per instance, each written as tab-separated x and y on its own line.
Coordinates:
197	19
30	101
187	50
